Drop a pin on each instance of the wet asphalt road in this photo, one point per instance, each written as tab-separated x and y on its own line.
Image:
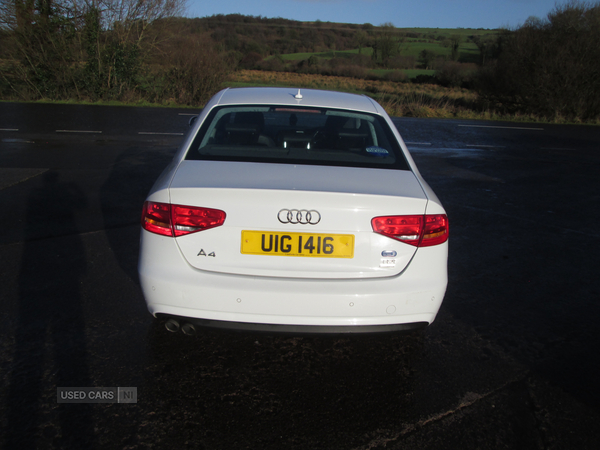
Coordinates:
510	362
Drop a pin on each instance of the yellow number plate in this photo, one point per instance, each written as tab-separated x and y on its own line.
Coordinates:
297	244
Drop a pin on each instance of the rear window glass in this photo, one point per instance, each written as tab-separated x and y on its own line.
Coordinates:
297	135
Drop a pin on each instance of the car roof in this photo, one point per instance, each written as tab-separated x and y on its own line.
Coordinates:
289	97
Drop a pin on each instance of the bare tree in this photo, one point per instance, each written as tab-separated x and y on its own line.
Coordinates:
426	57
52	38
486	46
194	72
129	19
388	42
361	39
455	41
44	42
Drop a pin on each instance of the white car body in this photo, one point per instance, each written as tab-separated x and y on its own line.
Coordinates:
325	269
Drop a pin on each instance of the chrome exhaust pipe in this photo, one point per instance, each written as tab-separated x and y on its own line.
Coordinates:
172	325
188	329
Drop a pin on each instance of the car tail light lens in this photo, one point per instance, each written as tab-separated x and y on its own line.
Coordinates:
420	231
189	219
156	218
179	220
436	230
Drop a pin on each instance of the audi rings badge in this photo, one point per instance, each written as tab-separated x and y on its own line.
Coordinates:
301	216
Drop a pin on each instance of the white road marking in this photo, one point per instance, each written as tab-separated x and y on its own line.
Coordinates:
79	131
17	141
188	114
9	129
484	146
165	134
506	128
418	143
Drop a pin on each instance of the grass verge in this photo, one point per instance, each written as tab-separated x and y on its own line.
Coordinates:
398	99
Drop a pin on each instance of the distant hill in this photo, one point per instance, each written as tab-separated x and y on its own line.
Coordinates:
243	35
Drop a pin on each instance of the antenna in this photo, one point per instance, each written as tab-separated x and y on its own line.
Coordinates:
298	96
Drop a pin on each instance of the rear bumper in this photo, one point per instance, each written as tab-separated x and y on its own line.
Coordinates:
172	287
294	329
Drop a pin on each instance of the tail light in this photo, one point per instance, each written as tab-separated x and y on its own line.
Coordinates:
420	231
179	220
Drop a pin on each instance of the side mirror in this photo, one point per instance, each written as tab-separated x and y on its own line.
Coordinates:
192	120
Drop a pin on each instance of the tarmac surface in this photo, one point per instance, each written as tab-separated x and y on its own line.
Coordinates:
510	362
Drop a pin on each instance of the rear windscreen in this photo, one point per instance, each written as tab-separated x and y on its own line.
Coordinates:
297	135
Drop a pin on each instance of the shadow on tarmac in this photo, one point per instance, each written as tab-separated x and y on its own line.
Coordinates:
50	344
122	196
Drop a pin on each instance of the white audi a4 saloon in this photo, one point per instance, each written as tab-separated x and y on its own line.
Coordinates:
297	211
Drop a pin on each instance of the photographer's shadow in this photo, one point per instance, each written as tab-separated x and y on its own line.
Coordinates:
50	345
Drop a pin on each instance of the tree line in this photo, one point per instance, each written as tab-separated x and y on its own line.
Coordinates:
133	50
549	67
103	50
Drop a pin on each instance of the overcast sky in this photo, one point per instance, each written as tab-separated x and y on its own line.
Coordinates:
402	13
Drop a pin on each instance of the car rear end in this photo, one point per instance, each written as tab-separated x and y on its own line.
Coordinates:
279	223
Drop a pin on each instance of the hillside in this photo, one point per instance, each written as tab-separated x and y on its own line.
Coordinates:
241	36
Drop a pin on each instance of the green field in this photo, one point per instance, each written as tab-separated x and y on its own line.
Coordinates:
430	39
326	55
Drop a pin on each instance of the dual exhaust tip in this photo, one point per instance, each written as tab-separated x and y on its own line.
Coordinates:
173	326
